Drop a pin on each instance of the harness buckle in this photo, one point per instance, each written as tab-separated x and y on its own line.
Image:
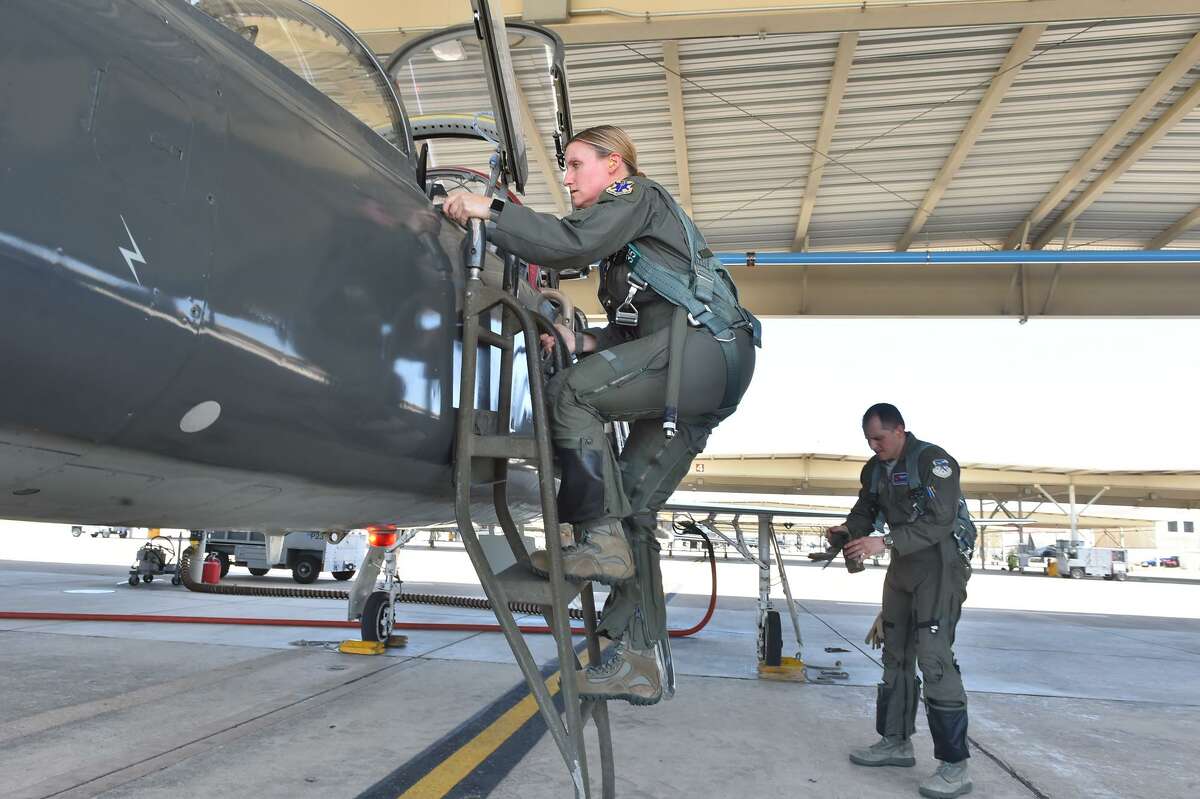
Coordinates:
626	314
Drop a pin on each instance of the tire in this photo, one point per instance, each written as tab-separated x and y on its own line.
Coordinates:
133	579
147	578
772	639
123	535
259	572
377	617
1077	573
344	575
223	559
1120	577
176	580
306	570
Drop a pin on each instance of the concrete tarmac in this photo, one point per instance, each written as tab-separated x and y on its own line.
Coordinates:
1077	689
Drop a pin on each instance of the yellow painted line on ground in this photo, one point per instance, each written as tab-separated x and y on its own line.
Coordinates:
451	771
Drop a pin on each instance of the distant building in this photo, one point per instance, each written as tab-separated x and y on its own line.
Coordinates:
1180	537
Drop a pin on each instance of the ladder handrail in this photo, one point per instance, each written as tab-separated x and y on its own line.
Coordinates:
567	732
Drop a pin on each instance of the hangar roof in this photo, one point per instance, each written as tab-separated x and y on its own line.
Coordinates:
937	137
833	475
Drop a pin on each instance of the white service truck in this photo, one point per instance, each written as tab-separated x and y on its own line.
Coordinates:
306	554
1080	561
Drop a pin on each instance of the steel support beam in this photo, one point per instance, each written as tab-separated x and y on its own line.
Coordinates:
842	62
1142	104
973	290
672	74
385	26
1175	231
1142	145
1020	51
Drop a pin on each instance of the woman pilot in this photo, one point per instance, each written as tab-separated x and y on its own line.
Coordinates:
621	218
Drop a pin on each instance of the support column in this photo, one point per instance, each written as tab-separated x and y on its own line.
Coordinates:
1074	515
764	558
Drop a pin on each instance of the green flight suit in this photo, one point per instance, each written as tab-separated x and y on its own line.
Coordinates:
626	380
923	593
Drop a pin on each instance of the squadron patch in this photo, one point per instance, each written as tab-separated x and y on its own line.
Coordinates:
620	188
941	468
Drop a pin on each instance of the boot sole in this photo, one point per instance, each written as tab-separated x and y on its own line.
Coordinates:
641	701
935	795
599	578
903	762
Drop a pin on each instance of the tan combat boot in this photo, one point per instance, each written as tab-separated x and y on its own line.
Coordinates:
887	751
634	675
950	780
603	555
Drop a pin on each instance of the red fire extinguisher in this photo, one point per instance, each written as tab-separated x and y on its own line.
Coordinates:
212	570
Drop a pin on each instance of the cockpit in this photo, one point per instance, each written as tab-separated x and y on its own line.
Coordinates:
458	94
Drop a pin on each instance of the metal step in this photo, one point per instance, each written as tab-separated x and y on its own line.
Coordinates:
522	585
519	447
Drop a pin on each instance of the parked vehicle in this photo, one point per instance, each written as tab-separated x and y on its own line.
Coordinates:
1093	562
119	532
1169	561
306	554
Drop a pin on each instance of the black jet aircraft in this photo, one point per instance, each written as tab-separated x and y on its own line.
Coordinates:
227	300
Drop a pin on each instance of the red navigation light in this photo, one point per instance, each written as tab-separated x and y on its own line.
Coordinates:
382	535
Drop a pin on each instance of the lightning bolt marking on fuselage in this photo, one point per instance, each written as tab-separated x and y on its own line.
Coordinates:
131	256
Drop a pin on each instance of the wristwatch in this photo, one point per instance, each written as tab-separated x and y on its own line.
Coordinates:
887	540
496	208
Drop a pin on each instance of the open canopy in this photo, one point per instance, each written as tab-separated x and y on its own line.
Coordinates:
467	95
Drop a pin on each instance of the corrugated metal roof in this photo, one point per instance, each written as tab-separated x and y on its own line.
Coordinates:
752	108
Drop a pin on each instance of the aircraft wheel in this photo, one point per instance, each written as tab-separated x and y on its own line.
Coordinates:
378	618
306	570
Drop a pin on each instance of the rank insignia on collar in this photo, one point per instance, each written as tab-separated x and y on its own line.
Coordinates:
620	188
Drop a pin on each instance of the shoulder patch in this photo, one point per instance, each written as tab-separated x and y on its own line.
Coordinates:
620	188
941	468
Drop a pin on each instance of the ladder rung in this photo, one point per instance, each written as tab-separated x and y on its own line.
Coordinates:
495	339
521	447
522	585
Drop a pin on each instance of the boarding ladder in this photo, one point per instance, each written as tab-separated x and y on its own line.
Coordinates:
483	448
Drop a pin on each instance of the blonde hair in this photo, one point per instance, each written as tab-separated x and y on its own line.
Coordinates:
608	139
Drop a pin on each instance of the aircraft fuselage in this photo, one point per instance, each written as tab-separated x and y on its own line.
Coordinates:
224	301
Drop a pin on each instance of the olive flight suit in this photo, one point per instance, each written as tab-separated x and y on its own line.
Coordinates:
626	380
923	593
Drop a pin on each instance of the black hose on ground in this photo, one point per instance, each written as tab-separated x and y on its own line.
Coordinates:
444	600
